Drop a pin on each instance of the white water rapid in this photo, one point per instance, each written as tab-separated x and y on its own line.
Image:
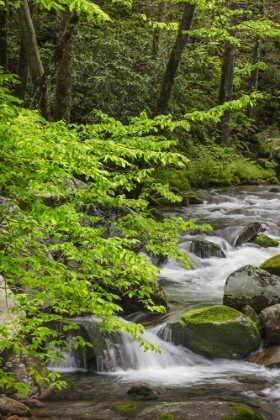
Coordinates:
228	211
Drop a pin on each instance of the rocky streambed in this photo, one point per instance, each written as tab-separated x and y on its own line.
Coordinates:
181	382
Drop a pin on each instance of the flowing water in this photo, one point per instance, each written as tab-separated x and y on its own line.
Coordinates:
178	373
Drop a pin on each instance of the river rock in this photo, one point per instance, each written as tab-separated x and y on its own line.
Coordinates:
10	406
198	410
251	286
251	313
272	265
143	390
264	241
271	322
206	249
269	357
216	332
19	365
247	233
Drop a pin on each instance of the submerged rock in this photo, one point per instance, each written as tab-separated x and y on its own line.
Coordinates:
247	233
251	286
206	249
271	322
199	410
268	357
143	390
272	265
216	332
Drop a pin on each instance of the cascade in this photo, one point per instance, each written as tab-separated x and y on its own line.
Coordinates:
119	356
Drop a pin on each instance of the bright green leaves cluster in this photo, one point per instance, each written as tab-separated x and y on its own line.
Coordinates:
74	207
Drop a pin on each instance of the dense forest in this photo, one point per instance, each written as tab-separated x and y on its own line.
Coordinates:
120	104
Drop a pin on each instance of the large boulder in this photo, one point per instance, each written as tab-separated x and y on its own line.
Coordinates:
269	357
251	286
271	322
247	233
272	265
216	332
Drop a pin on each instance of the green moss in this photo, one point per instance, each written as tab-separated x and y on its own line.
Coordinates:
126	409
219	332
243	413
175	178
274	180
210	314
193	199
264	241
272	265
167	416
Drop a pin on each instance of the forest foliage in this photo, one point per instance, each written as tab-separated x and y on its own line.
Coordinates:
104	63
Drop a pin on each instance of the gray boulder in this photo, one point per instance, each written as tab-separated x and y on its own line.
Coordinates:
251	286
216	332
271	322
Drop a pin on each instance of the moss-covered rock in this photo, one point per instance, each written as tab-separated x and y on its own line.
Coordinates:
272	265
193	199
124	409
217	332
264	241
243	413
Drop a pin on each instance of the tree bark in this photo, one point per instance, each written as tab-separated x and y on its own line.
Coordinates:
162	10
174	60
63	59
226	90
33	58
3	40
22	72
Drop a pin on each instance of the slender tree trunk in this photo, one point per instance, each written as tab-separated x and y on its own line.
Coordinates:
3	40
22	72
226	90
162	10
255	73
33	58
174	60
64	61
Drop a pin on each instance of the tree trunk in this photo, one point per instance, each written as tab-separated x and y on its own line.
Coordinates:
64	61
226	90
3	40
33	58
22	72
162	10
174	60
255	73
